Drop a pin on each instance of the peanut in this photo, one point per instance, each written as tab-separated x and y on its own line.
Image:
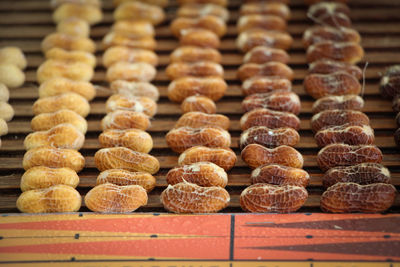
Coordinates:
269	118
13	55
125	119
135	89
318	34
326	66
138	72
249	70
68	42
66	56
3	127
71	101
4	93
56	3
199	37
196	119
71	70
352	102
198	103
194	54
345	52
280	175
390	82
223	157
198	10
123	177
215	2
331	14
256	85
347	134
276	100
139	11
91	14
74	26
336	117
6	111
258	37
207	22
266	8
11	76
134	139
58	86
46	121
121	39
263	54
134	103
269	137
196	69
266	22
161	3
121	53
137	28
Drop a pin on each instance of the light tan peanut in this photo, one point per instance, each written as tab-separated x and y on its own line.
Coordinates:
3	127
318	34
54	158
198	103
223	157
137	28
249	70
276	100
121	53
56	3
263	54
134	103
125	158
200	173
258	37
256	21
71	101
207	22
138	72
43	177
345	52
123	177
68	42
198	10
347	134
139	11
88	13
58	86
135	139
6	111
72	70
120	39
191	198
61	136
266	8
352	102
327	66
58	198
135	89
269	118
46	121
336	117
125	119
199	37
211	87
280	175
196	69
197	119
256	85
161	3
182	138
4	93
111	198
66	56
74	26
13	55
215	2
11	76
194	53
269	137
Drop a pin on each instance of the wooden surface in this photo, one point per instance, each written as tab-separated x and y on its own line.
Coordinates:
25	23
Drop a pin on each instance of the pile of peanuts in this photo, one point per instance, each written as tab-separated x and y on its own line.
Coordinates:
270	123
354	178
126	167
200	135
52	160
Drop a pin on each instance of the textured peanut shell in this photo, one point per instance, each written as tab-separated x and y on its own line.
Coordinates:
266	8
46	121
94	3
137	28
123	177
351	102
191	198
135	89
273	198
60	136
180	139
197	119
197	10
280	175
4	93
255	85
139	72
68	42
249	70
161	3
43	177
58	198
59	85
125	54
125	158
111	198
269	118
269	137
390	82
54	158
327	66
121	39
3	127
197	69
139	11
256	21
200	173
346	52
134	139
134	103
263	54
60	54
319	34
347	134
351	197
258	37
52	68
125	119
336	117
74	26
194	53
223	3
11	76
6	111
330	14
91	14
277	100
198	103
13	55
71	101
199	37
223	157
207	22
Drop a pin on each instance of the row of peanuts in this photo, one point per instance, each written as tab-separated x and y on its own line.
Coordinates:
200	135
270	123
126	167
52	160
354	178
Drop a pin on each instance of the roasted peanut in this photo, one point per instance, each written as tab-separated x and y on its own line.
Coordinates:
139	11
70	101
120	39
397	137
280	175
46	121
6	111
390	82
345	155
196	69
256	85
60	136
256	21
347	134
200	173
51	69
330	13
269	137
249	70
68	42
395	102
182	138
351	197
4	93
223	157
135	89
352	102
135	139
54	158
137	72
211	87
276	100
199	10
258	37
345	51
207	22
58	198
13	55
58	86
326	66
134	103
121	53
263	54
11	76
191	198
91	14
123	177
336	117
269	118
43	177
111	198
364	173
66	56
125	158
266	8
161	3
310	2
3	127
194	54
197	119
273	198
125	119
56	3
215	2
74	26
318	34
137	28
256	155
397	119
199	37
198	103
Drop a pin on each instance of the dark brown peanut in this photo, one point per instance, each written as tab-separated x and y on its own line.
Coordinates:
364	173
280	175
196	119
195	69
207	22
318	34
273	198
252	38
194	54
390	82
276	100
198	10
266	22
335	155
198	103
336	117
330	13
352	102
347	134
269	137
263	54
351	197
346	52
398	119
397	137
396	103
199	37
249	70
256	85
266	8
269	118
326	66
